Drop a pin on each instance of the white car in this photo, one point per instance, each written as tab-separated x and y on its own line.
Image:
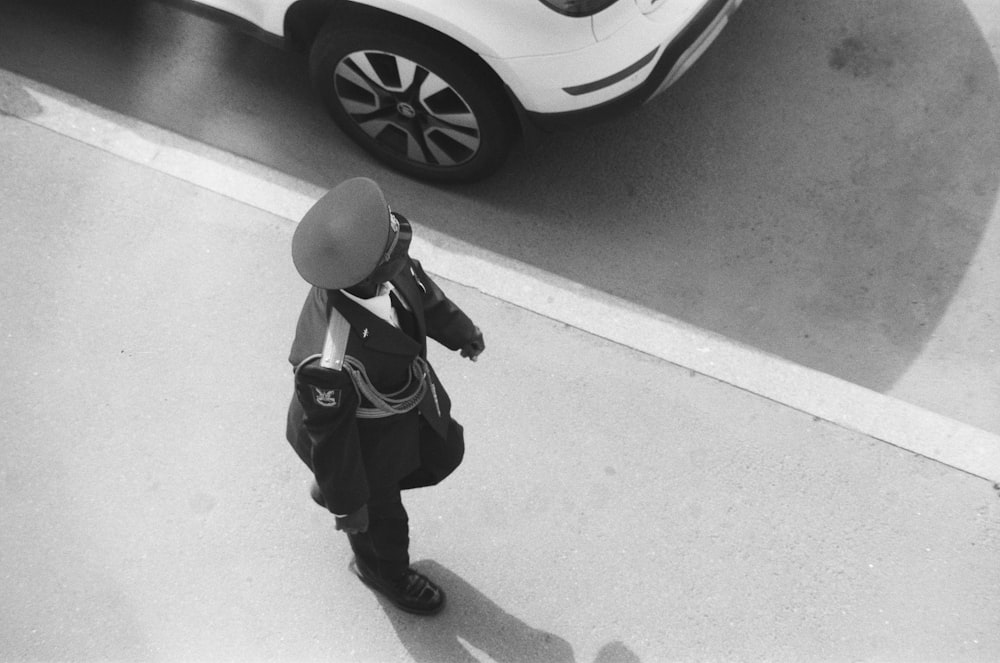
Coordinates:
441	89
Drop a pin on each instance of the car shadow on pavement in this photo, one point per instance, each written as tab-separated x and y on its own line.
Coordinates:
472	623
817	187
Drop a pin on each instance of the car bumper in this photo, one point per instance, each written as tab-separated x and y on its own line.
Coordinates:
649	75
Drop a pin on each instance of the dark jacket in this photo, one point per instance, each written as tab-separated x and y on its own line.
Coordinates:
355	460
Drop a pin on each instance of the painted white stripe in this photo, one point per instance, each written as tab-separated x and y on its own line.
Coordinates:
885	418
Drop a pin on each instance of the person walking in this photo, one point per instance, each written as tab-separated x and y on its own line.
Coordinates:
369	416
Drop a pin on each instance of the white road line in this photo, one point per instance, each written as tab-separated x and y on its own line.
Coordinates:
885	418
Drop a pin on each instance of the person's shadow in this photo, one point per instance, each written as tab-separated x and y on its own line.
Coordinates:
472	623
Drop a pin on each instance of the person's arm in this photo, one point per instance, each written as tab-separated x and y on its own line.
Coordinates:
446	322
330	403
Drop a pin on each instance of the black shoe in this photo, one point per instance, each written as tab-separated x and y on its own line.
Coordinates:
412	592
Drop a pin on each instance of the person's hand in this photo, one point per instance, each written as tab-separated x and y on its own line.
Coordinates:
354	523
474	347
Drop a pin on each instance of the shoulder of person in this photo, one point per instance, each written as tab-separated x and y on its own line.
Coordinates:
311	371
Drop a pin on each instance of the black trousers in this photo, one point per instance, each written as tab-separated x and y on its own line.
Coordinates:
385	548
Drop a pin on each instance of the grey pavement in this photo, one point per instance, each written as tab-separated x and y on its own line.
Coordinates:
612	507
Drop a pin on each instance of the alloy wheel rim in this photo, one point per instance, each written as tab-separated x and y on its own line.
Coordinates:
407	109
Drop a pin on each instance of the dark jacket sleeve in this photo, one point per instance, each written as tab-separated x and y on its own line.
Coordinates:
329	402
446	323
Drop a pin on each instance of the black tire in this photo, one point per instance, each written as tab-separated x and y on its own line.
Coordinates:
422	106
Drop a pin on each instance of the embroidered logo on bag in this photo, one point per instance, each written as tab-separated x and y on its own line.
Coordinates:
326	397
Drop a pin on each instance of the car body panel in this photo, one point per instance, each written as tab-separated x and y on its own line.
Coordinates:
517	28
540	82
512	29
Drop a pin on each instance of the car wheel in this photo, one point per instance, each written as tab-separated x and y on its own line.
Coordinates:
425	109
